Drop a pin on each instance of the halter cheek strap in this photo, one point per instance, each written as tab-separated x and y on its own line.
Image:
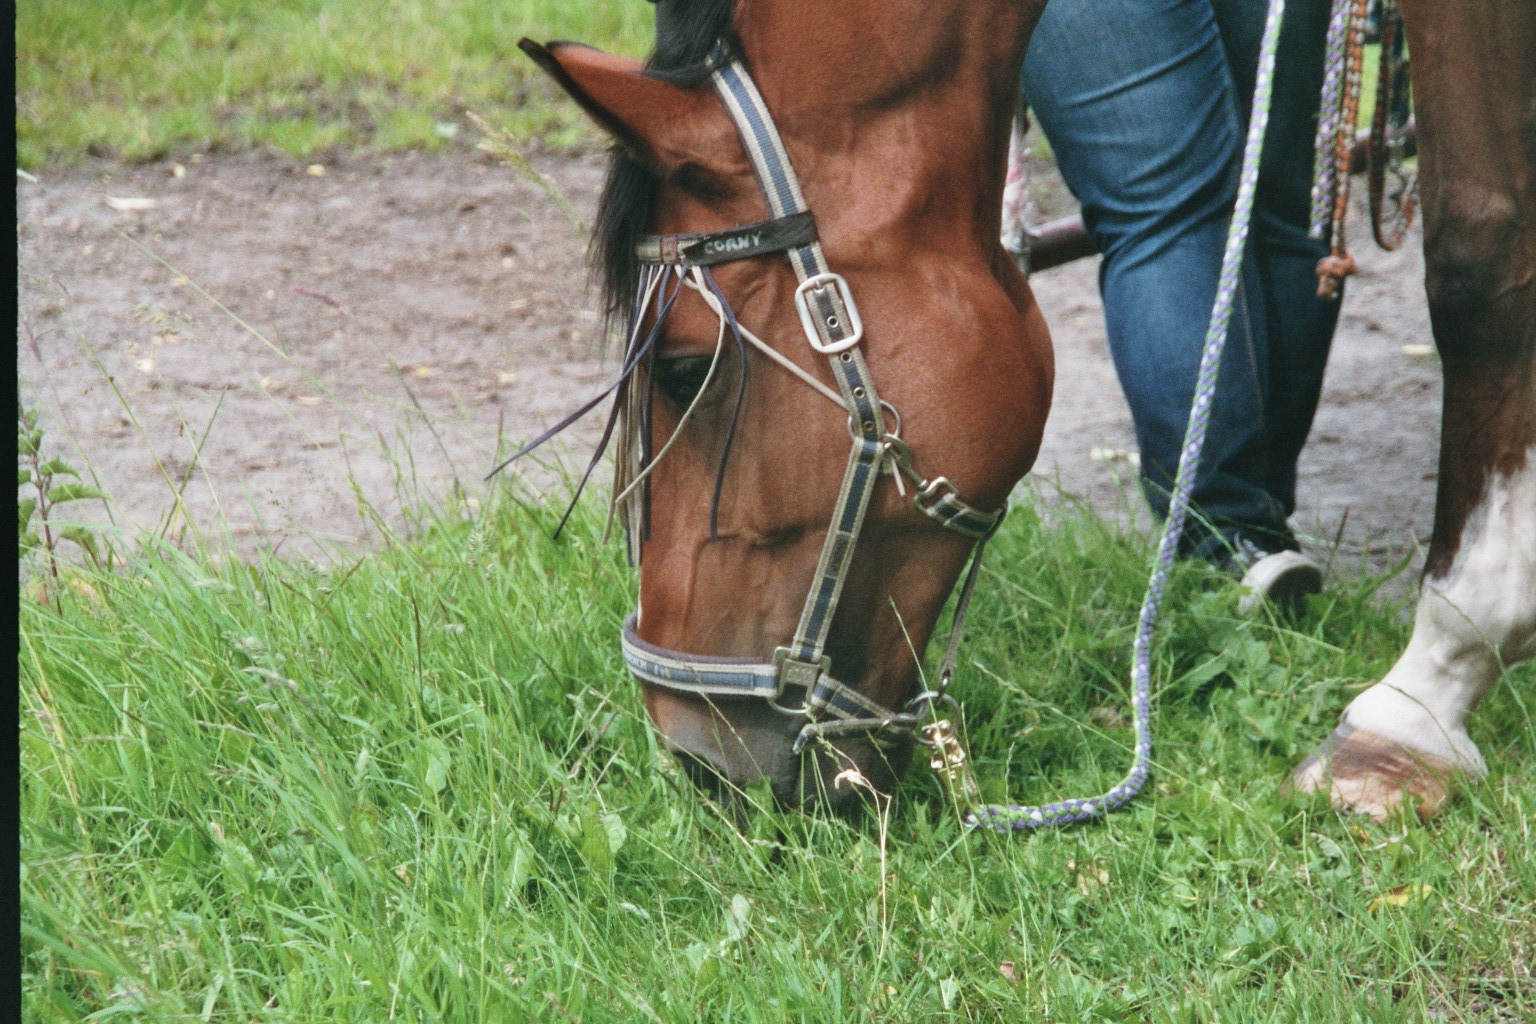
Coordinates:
833	327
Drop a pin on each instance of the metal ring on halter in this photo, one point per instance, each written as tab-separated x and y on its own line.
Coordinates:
928	699
799	712
814	333
853	426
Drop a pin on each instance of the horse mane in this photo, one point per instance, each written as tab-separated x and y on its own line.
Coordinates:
686	31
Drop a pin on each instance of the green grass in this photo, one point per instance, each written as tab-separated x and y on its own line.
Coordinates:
418	787
138	79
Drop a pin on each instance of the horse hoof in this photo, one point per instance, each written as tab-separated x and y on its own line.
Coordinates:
1372	775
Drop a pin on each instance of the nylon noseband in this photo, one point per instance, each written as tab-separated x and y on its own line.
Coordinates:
833	327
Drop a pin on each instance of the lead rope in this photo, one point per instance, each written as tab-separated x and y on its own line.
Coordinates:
1337	115
1013	817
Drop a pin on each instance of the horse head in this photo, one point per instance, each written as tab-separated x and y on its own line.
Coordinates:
743	419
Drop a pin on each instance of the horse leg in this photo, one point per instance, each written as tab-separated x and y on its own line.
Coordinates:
1403	741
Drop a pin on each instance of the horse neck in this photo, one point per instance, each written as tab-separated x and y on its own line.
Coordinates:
899	109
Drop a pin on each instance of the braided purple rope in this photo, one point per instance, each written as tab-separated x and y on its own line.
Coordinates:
1324	168
1014	817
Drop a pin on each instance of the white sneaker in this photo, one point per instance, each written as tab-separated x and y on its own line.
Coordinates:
1283	579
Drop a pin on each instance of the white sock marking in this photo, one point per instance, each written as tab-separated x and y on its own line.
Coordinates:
1472	622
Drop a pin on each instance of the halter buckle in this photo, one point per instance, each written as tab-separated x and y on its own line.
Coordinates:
931	492
796	672
825	331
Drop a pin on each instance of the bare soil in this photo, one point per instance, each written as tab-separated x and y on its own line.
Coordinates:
305	357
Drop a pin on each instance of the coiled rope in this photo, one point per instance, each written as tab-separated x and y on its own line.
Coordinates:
1336	119
1391	210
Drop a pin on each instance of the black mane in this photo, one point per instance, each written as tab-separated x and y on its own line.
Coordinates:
686	30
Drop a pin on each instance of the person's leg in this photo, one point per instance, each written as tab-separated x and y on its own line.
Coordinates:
1138	101
1299	325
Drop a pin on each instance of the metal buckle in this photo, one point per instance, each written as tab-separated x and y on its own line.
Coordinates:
808	318
935	491
794	672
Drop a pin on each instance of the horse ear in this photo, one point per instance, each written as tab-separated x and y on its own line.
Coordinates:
655	120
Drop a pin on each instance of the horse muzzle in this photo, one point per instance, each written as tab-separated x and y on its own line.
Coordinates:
726	746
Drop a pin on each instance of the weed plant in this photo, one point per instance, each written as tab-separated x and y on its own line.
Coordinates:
44	485
419	787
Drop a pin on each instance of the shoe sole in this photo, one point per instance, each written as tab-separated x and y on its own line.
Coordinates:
1283	579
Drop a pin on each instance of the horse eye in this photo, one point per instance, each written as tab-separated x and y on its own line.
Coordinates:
682	379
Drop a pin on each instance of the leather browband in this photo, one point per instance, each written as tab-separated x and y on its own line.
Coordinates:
738	243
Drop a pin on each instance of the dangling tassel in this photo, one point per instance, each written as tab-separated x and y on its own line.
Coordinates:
631	487
631	453
634	355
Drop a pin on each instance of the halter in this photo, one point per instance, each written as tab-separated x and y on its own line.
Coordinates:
831	324
830	319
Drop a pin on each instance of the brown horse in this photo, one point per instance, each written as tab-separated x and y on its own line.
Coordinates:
895	117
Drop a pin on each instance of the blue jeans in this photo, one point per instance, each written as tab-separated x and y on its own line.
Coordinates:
1145	103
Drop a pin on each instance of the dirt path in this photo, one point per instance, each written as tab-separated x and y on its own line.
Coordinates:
306	356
